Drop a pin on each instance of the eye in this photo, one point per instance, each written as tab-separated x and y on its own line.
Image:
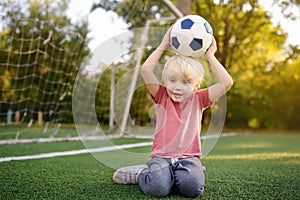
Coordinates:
186	82
172	80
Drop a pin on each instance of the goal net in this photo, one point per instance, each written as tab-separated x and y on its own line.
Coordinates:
38	63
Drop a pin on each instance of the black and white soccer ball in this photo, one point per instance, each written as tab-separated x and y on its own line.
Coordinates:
191	36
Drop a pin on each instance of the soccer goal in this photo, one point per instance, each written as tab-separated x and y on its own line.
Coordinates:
43	80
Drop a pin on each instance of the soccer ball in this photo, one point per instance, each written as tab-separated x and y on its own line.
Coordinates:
191	36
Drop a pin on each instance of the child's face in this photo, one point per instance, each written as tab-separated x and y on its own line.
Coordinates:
178	87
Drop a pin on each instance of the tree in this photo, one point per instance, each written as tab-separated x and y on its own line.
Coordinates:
38	42
250	46
283	93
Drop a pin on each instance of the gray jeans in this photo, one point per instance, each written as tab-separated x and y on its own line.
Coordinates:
165	175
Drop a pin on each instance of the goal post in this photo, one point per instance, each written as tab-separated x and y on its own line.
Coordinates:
139	56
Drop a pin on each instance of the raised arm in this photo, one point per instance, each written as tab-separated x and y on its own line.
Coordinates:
148	67
224	79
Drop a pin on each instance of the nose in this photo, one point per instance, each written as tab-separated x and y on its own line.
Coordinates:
177	87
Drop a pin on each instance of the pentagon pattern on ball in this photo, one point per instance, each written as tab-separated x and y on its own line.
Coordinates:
187	24
208	27
175	42
196	44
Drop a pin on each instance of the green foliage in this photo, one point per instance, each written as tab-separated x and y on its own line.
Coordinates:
248	46
136	13
283	92
139	111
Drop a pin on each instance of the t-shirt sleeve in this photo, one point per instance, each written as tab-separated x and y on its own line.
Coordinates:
161	92
203	98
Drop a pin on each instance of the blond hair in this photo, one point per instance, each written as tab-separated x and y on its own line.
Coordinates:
190	68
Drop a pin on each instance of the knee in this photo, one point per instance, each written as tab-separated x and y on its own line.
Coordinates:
157	190
192	191
191	187
155	184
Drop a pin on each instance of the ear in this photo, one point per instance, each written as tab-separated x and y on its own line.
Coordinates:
197	86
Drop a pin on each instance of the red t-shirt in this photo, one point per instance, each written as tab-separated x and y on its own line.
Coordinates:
177	132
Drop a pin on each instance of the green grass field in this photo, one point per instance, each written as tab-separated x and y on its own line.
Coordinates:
245	166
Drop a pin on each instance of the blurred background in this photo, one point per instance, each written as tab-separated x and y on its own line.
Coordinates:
46	44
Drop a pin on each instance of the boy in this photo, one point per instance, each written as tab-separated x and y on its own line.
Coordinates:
174	161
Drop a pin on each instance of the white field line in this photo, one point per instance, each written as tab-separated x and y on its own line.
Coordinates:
213	136
96	150
58	139
86	138
75	152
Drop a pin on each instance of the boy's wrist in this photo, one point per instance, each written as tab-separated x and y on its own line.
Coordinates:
209	56
161	48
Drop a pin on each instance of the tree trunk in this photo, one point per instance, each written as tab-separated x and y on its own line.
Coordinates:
184	6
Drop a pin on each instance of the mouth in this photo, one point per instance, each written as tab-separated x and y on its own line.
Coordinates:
177	95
